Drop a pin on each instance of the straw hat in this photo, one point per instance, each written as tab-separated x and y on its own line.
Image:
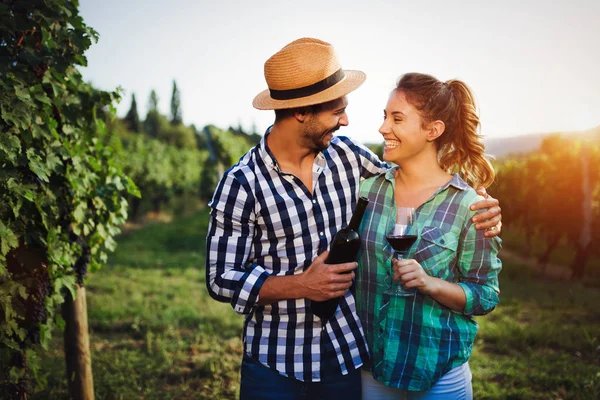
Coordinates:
304	73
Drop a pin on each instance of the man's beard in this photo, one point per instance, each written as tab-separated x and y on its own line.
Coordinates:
316	141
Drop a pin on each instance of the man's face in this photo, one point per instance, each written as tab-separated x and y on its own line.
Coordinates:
319	126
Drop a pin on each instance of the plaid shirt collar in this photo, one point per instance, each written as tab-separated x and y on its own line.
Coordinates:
456	181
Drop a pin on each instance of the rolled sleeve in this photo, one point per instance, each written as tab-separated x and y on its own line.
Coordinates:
479	267
230	276
247	293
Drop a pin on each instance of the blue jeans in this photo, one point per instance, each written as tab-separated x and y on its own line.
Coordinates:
454	385
262	383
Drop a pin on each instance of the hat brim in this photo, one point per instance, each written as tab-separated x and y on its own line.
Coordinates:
351	81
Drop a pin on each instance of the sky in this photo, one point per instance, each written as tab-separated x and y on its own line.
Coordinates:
534	66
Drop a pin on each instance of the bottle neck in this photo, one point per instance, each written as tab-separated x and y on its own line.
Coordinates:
359	211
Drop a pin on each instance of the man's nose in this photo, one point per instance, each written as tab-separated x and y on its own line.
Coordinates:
343	120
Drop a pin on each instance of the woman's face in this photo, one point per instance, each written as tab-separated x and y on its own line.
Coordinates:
401	129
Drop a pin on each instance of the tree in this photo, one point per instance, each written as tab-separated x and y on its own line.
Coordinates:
62	192
132	119
554	196
200	138
158	126
153	101
590	157
151	123
209	179
176	118
559	215
178	135
162	171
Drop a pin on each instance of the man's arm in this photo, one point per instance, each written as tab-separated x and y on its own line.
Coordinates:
229	276
368	162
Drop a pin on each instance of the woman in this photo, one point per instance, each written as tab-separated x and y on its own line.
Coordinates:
420	344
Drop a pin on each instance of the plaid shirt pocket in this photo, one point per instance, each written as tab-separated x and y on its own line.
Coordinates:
436	251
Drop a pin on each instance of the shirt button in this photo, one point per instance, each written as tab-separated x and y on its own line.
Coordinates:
320	233
314	201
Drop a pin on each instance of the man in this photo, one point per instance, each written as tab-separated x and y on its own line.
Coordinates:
273	216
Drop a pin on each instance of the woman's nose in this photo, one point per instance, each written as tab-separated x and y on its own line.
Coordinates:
384	128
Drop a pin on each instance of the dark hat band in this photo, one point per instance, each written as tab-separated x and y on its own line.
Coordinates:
310	89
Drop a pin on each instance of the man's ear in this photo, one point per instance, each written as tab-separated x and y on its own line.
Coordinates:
300	114
436	129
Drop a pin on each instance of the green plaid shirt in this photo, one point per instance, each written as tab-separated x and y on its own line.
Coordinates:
415	340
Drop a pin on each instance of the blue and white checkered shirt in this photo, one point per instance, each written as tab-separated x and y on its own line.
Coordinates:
265	222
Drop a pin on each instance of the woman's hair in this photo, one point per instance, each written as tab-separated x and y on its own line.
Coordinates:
460	148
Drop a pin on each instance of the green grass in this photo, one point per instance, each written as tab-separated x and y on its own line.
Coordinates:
540	343
156	334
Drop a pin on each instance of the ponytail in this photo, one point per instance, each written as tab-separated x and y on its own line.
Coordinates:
465	152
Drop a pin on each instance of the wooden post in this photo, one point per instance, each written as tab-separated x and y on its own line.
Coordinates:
77	347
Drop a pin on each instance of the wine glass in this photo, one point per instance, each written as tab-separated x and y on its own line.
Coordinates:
399	224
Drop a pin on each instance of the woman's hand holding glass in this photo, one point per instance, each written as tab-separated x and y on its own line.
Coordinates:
411	275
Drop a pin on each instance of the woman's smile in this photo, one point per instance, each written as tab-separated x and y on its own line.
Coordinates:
391	144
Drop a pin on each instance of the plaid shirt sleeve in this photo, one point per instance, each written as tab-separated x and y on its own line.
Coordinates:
229	275
369	163
479	266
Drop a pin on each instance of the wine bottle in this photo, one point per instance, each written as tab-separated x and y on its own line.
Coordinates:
344	248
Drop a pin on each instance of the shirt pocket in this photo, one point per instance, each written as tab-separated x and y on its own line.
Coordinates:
437	251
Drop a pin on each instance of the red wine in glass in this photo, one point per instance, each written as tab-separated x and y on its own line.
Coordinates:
401	243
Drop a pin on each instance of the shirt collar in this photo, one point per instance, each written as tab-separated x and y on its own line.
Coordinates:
456	180
265	153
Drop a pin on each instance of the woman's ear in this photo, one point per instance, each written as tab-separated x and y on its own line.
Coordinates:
436	128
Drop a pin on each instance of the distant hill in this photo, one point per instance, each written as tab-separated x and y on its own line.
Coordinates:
500	147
